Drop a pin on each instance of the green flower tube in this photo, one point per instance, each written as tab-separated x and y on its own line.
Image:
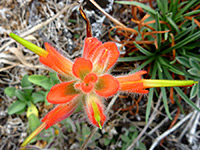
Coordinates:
34	48
149	83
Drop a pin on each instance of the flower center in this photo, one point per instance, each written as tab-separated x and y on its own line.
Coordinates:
88	83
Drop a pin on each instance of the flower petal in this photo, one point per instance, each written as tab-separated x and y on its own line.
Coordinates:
134	87
132	77
87	87
94	109
105	56
90	46
91	77
56	61
81	67
132	83
60	113
106	86
62	93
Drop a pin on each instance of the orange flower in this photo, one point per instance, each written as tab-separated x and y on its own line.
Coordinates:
89	80
86	81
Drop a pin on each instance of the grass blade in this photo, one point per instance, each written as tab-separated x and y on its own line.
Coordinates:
128	59
141	49
163	91
185	41
186	99
145	7
143	65
184	9
150	97
158	28
173	24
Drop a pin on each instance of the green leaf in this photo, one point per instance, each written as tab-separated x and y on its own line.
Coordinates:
128	59
21	95
178	37
186	7
175	97
173	24
25	82
194	72
183	42
141	49
150	97
38	97
97	136
125	138
69	124
107	141
132	129
46	101
26	85
183	60
178	103
21	111
165	62
165	7
141	146
176	70
86	131
192	13
10	91
37	79
194	63
159	66
41	81
174	6
194	91
158	28
54	78
15	107
143	65
160	5
33	121
164	95
145	7
186	99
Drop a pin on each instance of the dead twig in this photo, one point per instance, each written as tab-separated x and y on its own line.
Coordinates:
147	125
115	21
166	133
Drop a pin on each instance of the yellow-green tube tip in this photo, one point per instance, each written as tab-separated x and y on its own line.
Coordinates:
100	125
34	48
34	134
148	83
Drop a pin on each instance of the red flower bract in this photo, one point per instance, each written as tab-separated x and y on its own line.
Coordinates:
89	80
